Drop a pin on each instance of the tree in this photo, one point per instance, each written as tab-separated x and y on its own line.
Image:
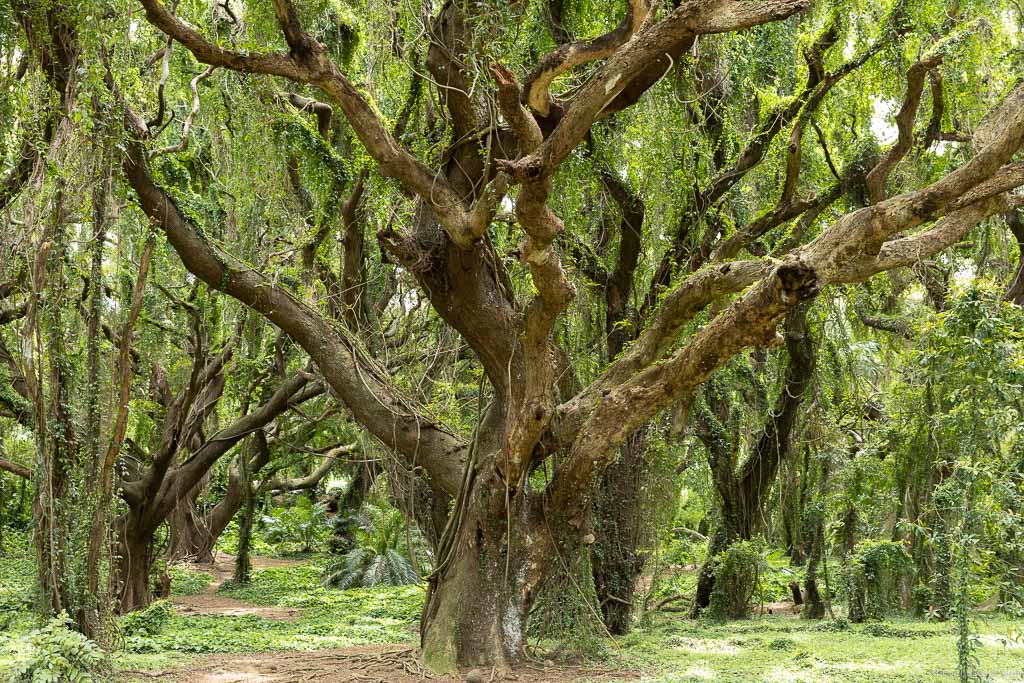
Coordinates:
743	485
634	387
523	474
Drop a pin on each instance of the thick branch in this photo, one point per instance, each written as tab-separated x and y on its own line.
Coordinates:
313	478
321	110
15	469
308	63
537	92
878	175
690	18
366	391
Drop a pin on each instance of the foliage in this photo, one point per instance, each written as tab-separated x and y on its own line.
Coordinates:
149	621
738	570
228	542
324	618
872	577
300	527
17	575
915	437
186	581
56	653
378	558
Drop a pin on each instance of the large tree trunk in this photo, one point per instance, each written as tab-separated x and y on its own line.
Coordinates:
618	523
192	534
478	605
133	561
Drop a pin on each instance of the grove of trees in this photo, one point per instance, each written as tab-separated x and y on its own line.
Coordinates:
534	268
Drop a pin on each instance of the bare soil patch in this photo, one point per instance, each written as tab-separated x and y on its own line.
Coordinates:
365	664
782	608
209	603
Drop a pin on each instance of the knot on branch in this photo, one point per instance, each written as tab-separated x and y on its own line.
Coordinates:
525	170
797	280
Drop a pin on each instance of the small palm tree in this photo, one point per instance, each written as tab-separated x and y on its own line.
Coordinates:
376	559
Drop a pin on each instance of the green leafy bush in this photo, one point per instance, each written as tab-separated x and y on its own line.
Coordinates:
187	582
832	626
738	571
57	654
378	558
148	621
17	575
302	527
872	575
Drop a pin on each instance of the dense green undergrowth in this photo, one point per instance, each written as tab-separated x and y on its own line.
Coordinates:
668	648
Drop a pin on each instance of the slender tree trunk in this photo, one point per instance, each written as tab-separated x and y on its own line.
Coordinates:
618	524
814	607
243	563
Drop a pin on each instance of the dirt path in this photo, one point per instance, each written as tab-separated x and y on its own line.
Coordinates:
210	603
367	664
363	664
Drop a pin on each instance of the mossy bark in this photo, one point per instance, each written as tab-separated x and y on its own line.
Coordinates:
619	526
477	609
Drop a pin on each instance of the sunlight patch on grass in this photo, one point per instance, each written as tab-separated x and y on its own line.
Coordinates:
700	673
704	647
870	665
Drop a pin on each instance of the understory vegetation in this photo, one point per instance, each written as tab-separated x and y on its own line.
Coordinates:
553	339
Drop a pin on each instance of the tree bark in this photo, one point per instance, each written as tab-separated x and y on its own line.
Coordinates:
133	561
243	561
619	526
814	607
478	605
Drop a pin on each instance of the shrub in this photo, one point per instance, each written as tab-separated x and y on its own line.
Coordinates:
782	644
57	654
149	621
187	582
738	571
304	524
833	626
377	558
872	576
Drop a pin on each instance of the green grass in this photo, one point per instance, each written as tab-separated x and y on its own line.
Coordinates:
329	618
670	649
772	649
188	581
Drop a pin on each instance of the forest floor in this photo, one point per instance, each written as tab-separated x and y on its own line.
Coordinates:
286	628
210	602
376	663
